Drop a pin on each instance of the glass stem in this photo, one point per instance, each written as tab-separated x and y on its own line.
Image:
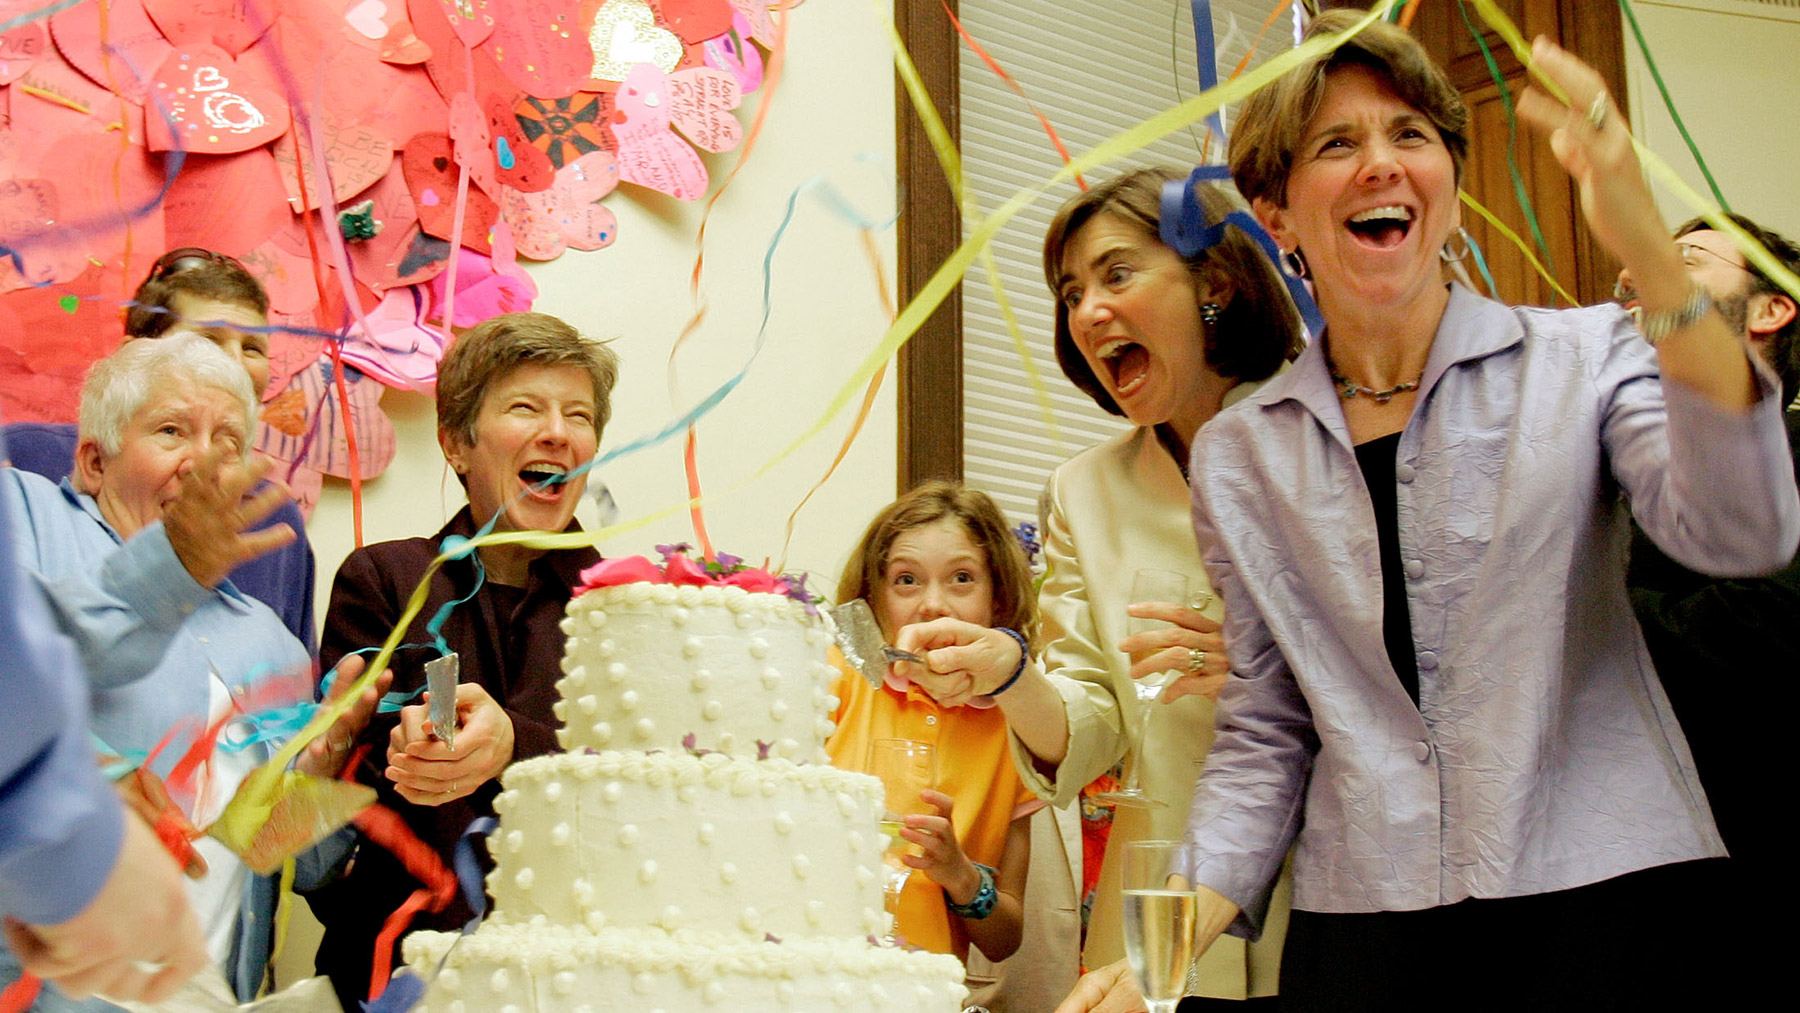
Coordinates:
1146	702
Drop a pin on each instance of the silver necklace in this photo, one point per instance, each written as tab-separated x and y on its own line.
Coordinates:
1348	389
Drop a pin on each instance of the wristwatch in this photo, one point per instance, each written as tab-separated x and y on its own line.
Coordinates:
982	904
1657	326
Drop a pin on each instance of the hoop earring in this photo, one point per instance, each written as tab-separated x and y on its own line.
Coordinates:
1209	314
1448	254
1296	262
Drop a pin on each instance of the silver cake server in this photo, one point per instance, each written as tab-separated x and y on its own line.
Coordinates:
859	637
441	677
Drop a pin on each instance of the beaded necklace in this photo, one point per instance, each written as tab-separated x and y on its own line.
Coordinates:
1348	389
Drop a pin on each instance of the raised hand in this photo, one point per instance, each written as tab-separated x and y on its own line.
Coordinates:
208	523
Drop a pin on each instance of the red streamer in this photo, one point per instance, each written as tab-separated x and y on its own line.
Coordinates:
1015	86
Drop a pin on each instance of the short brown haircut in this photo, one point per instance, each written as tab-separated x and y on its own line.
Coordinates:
492	349
1257	329
152	310
1272	122
1015	603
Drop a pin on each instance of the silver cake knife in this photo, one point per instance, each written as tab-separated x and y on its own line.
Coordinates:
441	676
859	637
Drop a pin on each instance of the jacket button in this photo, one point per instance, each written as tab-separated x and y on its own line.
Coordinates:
1404	472
1428	659
1415	568
1421	751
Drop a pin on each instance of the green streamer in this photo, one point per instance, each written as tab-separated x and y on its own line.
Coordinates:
1669	103
1512	141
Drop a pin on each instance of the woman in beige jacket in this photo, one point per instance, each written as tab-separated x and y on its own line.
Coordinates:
1165	341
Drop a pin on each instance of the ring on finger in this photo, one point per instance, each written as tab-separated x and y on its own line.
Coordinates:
1196	659
1597	110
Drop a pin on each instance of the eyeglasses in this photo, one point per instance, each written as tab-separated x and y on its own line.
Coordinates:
1691	256
187	258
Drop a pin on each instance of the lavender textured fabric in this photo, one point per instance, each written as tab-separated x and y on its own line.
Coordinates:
1542	754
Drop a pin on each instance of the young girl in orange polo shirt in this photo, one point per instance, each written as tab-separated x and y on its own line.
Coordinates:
943	550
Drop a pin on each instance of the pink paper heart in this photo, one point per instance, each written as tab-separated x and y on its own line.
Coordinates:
355	153
232	25
21	48
540	47
700	104
212	105
472	20
649	154
428	198
569	214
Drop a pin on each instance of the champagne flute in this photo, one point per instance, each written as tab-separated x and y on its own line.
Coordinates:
905	768
1159	923
1147	585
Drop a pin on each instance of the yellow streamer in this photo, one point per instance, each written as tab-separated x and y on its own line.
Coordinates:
1513	237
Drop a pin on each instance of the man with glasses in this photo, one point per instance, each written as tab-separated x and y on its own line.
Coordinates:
212	295
1727	650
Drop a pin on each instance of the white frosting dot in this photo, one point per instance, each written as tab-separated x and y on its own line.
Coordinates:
855	839
784	823
515	841
647	871
714	993
499	980
510	1008
596	618
560	710
745	620
616	672
759	648
784	992
589	704
713	710
628	835
778	710
560	834
863	875
605	648
815	912
706	833
728	872
771	678
678	617
643	982
524	878
691	647
595	920
701	680
769	788
456	1005
688	792
450	978
563	982
602	732
583	891
751	920
613	791
670	918
628	700
843	993
553	791
802	866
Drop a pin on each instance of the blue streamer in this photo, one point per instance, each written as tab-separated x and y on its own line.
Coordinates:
468	870
1186	231
38	15
403	992
1207	58
1487	278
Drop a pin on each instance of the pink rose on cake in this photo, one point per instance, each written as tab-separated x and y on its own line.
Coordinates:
722	570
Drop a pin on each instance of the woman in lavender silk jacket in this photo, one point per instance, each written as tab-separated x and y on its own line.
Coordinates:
1439	696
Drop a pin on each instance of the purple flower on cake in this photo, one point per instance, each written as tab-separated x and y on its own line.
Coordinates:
762	749
692	745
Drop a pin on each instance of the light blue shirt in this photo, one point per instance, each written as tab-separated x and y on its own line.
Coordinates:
59	821
1542	754
129	603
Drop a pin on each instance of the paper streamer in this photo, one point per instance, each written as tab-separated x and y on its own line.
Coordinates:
1512	137
1513	237
1000	72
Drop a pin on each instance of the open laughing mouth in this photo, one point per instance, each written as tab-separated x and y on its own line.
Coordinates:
1127	361
543	480
1381	228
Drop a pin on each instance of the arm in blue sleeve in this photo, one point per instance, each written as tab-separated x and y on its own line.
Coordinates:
60	824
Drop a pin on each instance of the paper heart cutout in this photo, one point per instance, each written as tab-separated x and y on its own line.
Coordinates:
569	214
472	20
649	154
226	204
69	304
734	52
566	128
471	144
232	25
20	50
434	191
132	51
519	164
756	14
356	155
368	19
700	104
541	48
697	20
624	34
211	105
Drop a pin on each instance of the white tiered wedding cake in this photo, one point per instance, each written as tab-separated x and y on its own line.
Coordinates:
692	850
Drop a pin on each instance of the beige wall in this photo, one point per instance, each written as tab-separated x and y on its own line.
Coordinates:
833	117
1730	66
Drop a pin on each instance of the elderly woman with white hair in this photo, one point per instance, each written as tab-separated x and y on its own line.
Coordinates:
132	552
